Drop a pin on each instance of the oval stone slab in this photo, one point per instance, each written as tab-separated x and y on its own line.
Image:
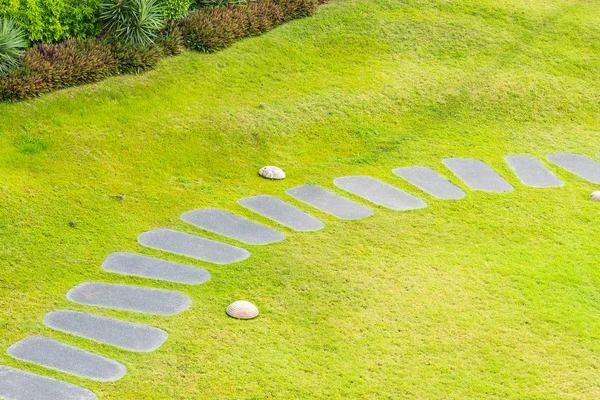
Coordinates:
532	172
193	246
154	268
62	357
282	212
431	182
122	334
233	226
583	166
379	192
130	298
329	202
20	385
478	175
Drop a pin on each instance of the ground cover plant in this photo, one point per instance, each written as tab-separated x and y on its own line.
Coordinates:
491	296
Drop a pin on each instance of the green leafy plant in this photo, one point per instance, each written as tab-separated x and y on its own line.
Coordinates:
134	22
12	44
50	21
175	9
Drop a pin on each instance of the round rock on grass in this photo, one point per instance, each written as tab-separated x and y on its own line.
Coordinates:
595	196
271	172
242	309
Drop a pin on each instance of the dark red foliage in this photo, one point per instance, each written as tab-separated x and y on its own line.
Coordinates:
45	68
212	29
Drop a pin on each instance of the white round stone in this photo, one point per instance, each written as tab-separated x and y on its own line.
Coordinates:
595	196
242	309
271	172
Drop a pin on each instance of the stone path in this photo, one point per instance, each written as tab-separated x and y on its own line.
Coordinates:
122	334
282	212
477	175
155	268
66	358
379	192
20	385
16	384
329	202
578	164
130	298
532	172
233	226
431	182
193	246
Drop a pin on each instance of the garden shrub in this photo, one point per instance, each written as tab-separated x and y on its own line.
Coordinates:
51	21
74	62
212	29
175	9
12	44
47	67
133	22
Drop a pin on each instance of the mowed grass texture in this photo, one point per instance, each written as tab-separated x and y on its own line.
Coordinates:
494	296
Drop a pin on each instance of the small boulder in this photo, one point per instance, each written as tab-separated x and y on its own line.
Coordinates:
595	196
242	309
271	172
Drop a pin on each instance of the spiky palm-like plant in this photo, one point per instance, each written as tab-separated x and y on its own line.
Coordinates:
12	44
133	22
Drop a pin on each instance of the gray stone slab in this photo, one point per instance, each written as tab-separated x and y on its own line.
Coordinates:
20	385
329	202
193	246
431	182
478	175
63	357
379	192
130	298
282	212
154	268
122	334
233	226
532	172
578	164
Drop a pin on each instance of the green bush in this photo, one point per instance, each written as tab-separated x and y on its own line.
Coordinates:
12	44
135	22
175	9
51	21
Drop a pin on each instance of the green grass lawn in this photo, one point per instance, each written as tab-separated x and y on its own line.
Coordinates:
494	296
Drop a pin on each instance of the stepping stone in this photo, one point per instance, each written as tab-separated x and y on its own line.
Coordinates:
130	298
431	182
532	172
578	164
478	175
233	226
379	192
193	246
154	268
62	357
329	202
282	212
123	334
20	385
